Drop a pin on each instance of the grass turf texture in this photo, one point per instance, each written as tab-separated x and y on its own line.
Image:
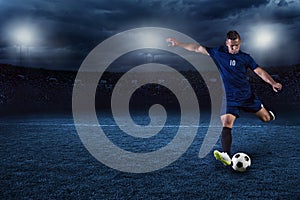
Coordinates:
42	157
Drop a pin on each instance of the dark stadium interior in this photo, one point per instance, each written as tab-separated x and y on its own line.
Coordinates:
38	90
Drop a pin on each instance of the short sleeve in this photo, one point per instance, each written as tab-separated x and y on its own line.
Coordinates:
211	51
252	64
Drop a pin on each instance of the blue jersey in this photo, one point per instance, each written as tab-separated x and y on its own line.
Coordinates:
233	70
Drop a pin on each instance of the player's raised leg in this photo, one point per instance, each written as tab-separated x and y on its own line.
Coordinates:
265	115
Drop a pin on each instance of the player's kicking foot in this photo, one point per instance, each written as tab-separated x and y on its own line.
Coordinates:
223	157
272	116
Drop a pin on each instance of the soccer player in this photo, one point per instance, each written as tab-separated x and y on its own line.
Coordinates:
232	64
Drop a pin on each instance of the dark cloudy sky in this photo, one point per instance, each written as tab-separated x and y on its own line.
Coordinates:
63	32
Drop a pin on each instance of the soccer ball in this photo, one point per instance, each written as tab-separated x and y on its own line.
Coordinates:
240	162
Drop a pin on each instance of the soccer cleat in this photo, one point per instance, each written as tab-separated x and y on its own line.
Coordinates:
223	157
272	116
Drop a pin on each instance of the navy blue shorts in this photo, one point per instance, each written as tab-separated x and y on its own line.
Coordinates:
252	105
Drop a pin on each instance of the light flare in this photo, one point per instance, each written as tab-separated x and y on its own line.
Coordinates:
22	34
264	36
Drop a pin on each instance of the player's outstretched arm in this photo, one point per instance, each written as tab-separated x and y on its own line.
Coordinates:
267	78
190	47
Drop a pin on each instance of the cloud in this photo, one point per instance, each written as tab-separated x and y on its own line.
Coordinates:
282	3
75	28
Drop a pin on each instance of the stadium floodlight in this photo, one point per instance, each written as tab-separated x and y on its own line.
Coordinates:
265	36
23	35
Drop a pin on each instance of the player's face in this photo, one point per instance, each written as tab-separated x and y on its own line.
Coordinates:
233	45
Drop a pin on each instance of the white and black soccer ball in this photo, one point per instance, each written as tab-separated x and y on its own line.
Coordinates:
240	162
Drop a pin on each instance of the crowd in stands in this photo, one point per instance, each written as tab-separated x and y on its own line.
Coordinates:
40	89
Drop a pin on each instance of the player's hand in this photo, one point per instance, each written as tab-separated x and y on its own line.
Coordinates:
172	42
276	87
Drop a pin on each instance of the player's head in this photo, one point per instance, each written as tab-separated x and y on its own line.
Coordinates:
233	42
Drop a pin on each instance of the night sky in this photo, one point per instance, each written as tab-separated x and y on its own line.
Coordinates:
58	34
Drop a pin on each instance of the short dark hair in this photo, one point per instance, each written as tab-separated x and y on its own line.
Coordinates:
233	35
